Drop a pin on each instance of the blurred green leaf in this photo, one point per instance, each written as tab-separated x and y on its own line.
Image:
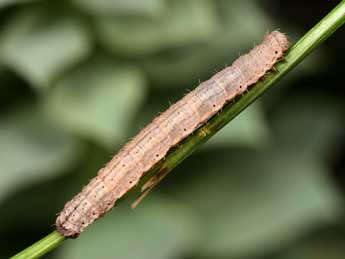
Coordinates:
183	23
32	149
52	193
5	3
233	35
247	129
39	47
98	100
151	8
321	246
160	229
310	124
254	202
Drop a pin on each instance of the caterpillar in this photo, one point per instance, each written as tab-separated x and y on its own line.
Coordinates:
152	143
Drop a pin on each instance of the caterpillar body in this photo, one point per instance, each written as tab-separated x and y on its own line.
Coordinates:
146	149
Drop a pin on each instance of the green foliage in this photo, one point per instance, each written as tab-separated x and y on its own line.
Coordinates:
187	22
146	8
102	90
32	149
160	229
79	78
40	48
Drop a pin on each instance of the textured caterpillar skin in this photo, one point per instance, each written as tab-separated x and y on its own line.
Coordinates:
165	131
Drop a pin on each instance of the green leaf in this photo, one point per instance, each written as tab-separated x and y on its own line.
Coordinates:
328	244
184	22
32	149
199	61
160	229
310	129
252	202
40	48
150	8
98	100
5	3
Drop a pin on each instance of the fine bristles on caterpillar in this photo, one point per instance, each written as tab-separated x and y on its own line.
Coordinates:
168	129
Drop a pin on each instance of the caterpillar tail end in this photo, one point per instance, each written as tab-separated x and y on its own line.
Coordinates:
64	231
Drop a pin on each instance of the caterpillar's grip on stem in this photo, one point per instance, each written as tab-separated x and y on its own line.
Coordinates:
153	142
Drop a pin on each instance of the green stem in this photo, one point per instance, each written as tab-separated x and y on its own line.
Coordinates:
329	24
41	247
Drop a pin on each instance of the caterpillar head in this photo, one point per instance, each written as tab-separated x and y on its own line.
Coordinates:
281	39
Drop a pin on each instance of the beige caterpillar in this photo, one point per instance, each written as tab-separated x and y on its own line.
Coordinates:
165	131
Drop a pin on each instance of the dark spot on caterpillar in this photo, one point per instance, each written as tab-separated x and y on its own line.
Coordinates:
276	52
130	182
157	155
184	129
214	105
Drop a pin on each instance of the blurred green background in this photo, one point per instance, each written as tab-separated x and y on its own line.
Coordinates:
78	78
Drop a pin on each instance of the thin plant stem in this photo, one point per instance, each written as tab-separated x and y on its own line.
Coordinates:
320	32
41	247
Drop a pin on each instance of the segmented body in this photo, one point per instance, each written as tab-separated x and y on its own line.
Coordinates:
165	131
